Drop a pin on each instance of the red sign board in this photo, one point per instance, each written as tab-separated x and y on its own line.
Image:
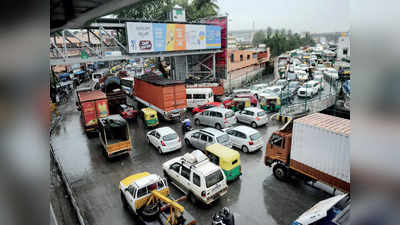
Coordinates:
89	113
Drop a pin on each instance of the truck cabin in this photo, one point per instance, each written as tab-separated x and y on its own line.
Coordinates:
113	129
278	147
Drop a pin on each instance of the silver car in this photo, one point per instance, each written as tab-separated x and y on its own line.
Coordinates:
216	117
253	116
201	138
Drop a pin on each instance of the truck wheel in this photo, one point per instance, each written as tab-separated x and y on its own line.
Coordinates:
197	122
280	172
150	212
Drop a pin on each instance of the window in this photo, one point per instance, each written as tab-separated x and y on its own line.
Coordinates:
196	179
219	114
254	55
210	140
213	158
241	57
261	113
205	113
160	184
232	57
276	140
196	135
132	190
213	114
250	113
188	96
176	167
240	134
170	137
231	132
345	51
142	192
214	178
248	57
255	136
157	135
185	172
199	96
203	137
223	138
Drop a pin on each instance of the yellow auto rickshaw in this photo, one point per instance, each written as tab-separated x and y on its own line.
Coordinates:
239	104
226	158
270	103
149	116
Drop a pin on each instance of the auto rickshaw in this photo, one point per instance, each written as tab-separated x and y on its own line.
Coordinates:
238	104
226	158
270	103
150	117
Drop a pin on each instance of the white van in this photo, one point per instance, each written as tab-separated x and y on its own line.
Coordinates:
198	96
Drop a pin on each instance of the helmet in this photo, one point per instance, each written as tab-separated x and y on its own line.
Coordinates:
225	211
217	218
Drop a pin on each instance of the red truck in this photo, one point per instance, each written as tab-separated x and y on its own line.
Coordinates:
93	105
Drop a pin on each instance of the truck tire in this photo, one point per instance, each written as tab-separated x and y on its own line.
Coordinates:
280	172
150	212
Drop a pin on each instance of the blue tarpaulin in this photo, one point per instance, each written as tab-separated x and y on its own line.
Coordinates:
79	72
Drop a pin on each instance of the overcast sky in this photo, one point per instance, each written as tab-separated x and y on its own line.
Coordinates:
297	15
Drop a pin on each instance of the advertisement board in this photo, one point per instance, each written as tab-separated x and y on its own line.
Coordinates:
160	37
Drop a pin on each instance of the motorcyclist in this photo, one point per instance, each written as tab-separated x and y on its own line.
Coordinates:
217	220
228	217
186	125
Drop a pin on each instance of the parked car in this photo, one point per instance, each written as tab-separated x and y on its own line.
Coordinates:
309	89
206	106
201	138
253	116
127	112
245	138
215	117
281	83
165	139
197	176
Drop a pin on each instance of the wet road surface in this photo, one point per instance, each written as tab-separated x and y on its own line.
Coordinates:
256	198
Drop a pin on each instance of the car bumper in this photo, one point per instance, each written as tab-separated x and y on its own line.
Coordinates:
261	122
214	197
253	148
171	148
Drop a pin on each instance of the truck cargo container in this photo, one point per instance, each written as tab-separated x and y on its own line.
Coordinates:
115	93
315	147
167	97
93	105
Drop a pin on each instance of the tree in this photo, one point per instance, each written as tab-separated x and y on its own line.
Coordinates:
259	37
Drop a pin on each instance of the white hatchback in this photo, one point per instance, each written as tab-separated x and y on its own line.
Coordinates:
245	138
253	116
165	139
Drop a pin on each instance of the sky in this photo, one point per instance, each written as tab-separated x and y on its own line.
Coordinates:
297	15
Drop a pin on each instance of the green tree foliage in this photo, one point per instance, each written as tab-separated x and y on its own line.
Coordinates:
283	40
259	38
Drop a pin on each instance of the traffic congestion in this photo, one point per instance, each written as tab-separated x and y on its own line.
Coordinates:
138	147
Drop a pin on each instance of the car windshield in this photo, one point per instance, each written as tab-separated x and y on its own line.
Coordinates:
261	113
170	137
96	76
223	139
229	114
214	178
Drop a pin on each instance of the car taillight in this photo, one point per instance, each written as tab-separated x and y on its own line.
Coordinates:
162	143
250	143
203	194
257	118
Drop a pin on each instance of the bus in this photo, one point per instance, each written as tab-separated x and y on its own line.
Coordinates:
127	85
198	96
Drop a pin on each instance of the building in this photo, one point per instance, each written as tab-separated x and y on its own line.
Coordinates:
343	47
245	65
232	42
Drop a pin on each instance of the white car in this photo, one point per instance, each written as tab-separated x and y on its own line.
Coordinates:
245	138
257	89
301	75
253	116
194	174
309	89
273	89
303	67
165	139
332	73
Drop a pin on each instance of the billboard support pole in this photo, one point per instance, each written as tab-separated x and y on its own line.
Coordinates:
213	65
187	67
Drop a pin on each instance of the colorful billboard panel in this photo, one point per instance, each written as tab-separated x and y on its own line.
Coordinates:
159	37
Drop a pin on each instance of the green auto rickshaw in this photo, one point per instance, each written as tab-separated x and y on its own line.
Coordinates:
270	103
149	116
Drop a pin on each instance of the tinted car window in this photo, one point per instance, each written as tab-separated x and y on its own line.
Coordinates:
196	135
214	178
185	172
196	179
141	192
170	137
261	113
176	167
255	136
231	132
240	134
203	137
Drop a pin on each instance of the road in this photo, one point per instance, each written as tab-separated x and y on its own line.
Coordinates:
257	198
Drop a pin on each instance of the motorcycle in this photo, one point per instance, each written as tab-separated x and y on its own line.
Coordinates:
186	127
223	217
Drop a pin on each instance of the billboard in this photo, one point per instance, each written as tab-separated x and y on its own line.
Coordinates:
160	37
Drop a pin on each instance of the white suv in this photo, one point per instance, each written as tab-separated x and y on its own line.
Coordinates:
245	138
309	89
216	117
202	138
194	174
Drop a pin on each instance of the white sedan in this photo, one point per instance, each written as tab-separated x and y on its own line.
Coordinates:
164	139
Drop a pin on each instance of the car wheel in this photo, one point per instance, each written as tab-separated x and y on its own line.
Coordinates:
197	122
159	150
253	124
192	198
218	126
187	141
245	148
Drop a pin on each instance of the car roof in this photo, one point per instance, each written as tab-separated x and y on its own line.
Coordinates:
165	130
132	178
212	130
245	129
218	109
